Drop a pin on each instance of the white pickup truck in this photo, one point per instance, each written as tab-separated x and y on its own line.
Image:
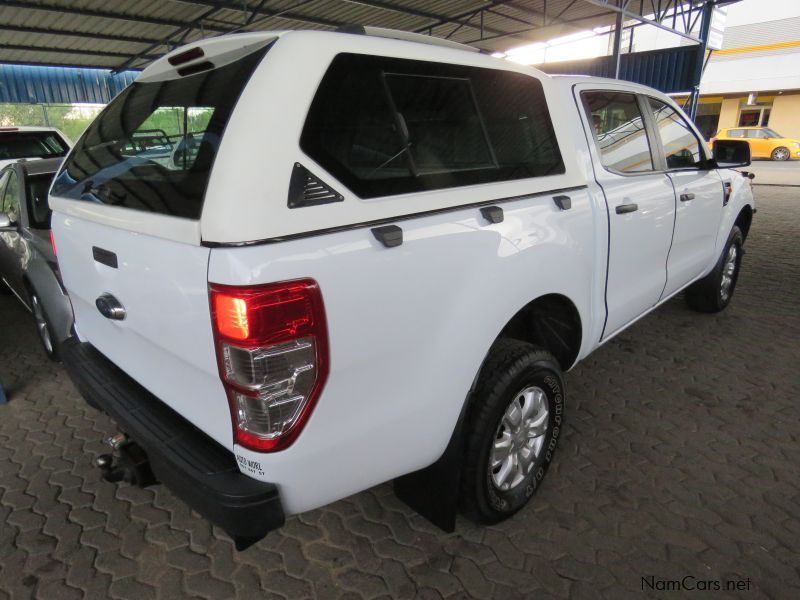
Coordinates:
305	263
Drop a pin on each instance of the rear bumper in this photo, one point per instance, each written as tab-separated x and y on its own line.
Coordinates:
196	468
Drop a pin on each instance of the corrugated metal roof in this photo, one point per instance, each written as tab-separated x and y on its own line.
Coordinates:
121	35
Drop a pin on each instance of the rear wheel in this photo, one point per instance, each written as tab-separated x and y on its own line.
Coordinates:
714	292
513	429
44	329
780	153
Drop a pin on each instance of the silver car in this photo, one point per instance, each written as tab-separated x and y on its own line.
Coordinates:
28	266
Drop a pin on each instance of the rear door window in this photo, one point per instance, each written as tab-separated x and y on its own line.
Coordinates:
153	147
387	126
619	131
38	206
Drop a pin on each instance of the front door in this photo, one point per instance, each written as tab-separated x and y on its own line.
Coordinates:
10	239
700	195
641	205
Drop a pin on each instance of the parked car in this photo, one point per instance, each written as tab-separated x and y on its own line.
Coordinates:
376	265
28	265
30	143
764	142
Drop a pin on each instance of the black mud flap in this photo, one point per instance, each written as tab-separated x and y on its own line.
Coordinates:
434	491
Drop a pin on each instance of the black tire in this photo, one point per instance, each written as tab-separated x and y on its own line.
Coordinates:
708	295
511	368
781	153
46	335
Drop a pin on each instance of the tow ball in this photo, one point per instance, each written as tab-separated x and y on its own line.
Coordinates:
131	466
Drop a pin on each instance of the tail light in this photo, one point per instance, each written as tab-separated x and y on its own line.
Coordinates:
272	351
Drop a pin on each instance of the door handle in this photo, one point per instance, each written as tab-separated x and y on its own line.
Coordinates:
626	208
686	197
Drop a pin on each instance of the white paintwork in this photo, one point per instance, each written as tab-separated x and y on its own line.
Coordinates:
409	326
278	101
165	341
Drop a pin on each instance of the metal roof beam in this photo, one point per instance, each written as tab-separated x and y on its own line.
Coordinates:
78	34
565	23
73	51
267	12
439	18
461	15
101	14
626	14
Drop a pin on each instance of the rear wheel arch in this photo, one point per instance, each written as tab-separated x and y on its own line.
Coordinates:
550	322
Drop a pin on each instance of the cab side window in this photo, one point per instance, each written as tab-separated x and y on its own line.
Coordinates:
10	199
619	131
682	148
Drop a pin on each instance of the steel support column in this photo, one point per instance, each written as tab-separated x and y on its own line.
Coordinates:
616	57
705	26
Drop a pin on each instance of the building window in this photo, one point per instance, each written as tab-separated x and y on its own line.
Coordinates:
755	116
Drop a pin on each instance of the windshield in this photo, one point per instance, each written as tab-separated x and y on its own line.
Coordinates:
772	133
153	147
31	144
38	207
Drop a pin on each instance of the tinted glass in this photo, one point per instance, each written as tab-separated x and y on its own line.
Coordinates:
736	133
771	133
619	131
31	144
682	148
38	207
152	148
10	202
388	126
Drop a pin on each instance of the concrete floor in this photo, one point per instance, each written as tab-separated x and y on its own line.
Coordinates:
769	172
679	460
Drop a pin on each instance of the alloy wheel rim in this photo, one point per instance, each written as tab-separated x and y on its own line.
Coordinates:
41	325
728	273
519	438
781	154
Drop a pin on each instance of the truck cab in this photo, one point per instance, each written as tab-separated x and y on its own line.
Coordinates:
375	263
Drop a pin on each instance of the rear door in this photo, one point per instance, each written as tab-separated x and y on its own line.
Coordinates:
641	204
699	192
126	225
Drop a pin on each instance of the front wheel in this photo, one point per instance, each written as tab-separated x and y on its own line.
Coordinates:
714	292
780	153
512	429
44	329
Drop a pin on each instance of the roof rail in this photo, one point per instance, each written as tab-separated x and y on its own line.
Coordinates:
405	36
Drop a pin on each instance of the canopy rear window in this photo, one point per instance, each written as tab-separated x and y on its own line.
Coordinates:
153	147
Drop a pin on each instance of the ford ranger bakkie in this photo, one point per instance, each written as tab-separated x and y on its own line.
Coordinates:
304	263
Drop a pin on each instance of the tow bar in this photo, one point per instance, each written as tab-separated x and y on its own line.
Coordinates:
132	465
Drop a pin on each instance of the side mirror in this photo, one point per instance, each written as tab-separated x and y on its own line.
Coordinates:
5	221
729	154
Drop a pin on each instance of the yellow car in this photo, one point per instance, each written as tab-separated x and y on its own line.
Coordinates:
764	142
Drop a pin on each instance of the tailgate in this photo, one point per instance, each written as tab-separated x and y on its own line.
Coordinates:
165	340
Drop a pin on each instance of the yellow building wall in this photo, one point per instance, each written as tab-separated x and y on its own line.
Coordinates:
729	113
785	116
